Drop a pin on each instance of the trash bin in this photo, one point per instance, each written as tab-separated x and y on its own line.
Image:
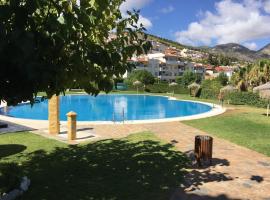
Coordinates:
203	149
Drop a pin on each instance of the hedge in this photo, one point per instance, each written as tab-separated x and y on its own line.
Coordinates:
210	89
164	88
161	88
246	98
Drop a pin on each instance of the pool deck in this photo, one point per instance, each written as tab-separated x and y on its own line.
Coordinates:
236	173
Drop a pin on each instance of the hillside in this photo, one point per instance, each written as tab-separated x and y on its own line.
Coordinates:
235	50
231	50
265	50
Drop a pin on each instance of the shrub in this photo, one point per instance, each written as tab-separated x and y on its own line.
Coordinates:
164	88
222	78
143	76
188	77
180	90
210	89
246	98
10	176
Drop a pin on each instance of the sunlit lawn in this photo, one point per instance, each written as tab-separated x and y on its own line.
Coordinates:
243	125
136	167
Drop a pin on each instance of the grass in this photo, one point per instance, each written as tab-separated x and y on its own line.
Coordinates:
243	125
137	167
246	126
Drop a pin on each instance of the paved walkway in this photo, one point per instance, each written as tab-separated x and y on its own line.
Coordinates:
237	172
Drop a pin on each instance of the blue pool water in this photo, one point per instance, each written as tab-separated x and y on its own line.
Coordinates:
111	108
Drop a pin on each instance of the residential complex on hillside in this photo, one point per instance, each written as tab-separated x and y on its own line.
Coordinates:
168	63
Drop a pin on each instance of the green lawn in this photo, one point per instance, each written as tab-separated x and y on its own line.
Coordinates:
137	167
245	126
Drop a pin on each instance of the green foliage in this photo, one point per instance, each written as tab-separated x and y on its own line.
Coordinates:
252	75
210	89
178	80
246	98
164	88
223	78
52	45
145	77
188	77
117	80
219	59
10	177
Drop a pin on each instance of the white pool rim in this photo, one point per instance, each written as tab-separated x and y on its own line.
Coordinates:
216	110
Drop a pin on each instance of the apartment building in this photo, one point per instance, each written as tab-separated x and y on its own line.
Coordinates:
166	66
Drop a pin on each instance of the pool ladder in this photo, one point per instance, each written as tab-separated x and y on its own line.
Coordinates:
123	116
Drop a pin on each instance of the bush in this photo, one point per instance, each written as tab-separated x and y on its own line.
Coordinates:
145	77
188	77
223	78
164	88
10	177
246	98
210	89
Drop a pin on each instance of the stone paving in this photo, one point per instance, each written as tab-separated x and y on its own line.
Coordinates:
236	173
13	127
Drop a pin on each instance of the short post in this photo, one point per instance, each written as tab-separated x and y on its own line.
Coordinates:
221	98
72	125
267	112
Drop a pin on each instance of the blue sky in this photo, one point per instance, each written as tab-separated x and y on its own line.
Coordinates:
207	22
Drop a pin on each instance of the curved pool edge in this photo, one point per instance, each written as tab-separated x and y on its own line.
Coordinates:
43	124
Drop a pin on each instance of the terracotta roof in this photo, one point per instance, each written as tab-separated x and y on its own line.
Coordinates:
171	52
209	67
223	69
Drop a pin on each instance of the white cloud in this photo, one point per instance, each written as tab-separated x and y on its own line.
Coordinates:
267	6
232	22
251	45
145	21
136	4
133	4
167	9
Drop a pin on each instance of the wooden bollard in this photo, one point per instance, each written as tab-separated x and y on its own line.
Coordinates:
72	125
203	148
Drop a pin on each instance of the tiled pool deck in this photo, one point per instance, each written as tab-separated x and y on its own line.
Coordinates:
237	172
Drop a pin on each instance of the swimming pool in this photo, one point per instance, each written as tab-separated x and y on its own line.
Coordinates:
112	108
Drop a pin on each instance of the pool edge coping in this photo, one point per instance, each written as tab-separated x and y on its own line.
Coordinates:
216	110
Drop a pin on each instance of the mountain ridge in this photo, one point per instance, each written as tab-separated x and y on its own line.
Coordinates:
234	50
241	52
265	49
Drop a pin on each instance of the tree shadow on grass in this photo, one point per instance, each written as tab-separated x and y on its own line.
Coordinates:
10	149
114	169
111	169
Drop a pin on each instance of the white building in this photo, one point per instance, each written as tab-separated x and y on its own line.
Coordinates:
166	66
